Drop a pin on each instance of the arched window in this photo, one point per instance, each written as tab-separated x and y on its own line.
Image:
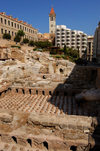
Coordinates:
51	18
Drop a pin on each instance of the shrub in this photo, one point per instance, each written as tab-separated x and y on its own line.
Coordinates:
14	46
31	43
58	56
25	41
6	36
43	44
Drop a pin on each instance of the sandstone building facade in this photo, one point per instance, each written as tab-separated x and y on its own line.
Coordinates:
11	25
71	38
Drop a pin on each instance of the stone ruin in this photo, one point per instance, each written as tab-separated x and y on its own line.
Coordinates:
38	109
36	119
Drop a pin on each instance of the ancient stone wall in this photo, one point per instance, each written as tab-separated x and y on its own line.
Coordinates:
43	132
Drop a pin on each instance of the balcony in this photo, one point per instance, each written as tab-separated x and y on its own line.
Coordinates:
63	37
67	36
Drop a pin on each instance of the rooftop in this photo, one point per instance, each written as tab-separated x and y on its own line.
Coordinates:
52	11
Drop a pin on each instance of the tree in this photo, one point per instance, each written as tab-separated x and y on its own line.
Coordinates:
6	36
17	38
25	41
21	33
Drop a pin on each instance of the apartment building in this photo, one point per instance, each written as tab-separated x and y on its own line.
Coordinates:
11	25
71	38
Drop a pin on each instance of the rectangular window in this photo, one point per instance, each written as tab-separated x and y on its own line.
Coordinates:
20	27
1	31
5	31
12	33
25	28
12	24
8	22
2	20
5	21
9	32
15	25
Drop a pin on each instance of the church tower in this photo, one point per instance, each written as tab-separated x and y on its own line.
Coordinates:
52	21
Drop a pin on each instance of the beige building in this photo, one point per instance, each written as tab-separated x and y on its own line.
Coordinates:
11	25
90	48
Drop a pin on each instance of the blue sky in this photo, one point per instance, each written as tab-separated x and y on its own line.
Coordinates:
81	15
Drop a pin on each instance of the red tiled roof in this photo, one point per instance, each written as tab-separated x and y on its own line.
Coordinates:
52	11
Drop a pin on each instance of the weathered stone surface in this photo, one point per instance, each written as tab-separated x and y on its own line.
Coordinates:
6	117
44	132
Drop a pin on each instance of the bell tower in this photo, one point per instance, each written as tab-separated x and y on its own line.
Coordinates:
52	21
